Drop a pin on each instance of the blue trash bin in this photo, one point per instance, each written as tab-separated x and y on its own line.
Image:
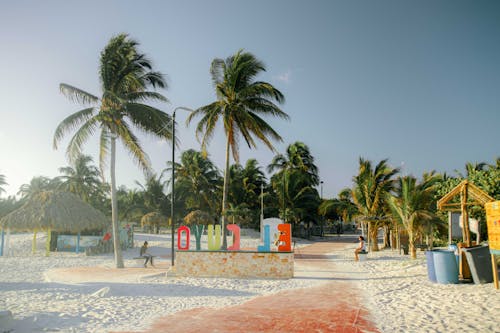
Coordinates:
445	266
431	272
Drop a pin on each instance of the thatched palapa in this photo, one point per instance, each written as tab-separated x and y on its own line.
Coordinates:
55	211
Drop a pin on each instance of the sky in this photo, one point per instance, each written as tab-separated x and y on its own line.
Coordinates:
416	82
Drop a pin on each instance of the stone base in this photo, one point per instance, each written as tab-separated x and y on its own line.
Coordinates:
5	318
234	264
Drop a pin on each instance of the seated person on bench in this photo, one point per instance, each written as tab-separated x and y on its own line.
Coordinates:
143	253
360	249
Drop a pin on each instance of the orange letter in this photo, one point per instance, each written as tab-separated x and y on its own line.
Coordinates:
236	237
179	232
285	237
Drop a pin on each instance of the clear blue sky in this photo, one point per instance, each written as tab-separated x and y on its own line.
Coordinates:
417	82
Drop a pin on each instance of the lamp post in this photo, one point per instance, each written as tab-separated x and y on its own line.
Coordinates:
261	211
322	217
172	197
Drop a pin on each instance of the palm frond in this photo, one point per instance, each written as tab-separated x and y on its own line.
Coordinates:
74	148
70	123
77	95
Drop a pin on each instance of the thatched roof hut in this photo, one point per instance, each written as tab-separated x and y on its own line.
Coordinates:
55	211
198	217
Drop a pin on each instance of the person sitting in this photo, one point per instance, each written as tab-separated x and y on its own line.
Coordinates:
144	253
360	249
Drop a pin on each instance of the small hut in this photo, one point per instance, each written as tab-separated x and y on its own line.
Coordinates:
468	195
54	211
155	220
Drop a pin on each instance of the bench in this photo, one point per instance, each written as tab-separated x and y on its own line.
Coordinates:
422	247
363	255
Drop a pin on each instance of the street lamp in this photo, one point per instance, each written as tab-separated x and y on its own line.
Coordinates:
322	217
172	197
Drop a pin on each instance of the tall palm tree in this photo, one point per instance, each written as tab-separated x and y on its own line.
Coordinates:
81	178
371	186
410	205
125	76
2	183
297	157
241	103
297	160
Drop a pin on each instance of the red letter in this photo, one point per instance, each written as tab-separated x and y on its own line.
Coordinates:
236	237
188	234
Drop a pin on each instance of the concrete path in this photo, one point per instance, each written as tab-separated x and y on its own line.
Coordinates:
333	306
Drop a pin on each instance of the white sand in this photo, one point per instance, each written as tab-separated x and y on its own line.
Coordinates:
400	297
395	289
39	306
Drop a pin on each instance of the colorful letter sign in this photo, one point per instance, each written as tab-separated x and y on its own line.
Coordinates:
213	246
285	238
186	231
214	238
236	237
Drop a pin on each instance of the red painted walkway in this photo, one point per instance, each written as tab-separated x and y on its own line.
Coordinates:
331	307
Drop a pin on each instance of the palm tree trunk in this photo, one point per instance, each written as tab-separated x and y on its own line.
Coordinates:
411	245
373	237
224	197
114	207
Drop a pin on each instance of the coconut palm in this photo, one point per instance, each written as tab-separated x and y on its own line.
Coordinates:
197	182
81	178
36	185
241	103
297	160
245	188
125	76
155	201
410	205
371	186
297	157
301	199
2	183
343	207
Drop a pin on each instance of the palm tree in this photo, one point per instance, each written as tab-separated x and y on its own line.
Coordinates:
297	160
245	186
343	207
155	201
125	75
81	178
2	183
241	103
37	185
297	157
410	205
301	199
197	182
371	186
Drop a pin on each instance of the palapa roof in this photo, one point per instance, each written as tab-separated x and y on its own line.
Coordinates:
478	196
59	211
153	218
198	217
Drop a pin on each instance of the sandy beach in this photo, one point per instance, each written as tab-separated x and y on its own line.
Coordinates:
45	294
